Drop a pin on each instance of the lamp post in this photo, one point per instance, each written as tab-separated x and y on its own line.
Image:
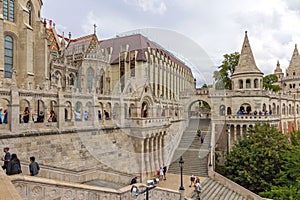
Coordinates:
181	179
210	160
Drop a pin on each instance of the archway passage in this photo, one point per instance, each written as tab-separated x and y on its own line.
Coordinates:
199	109
245	108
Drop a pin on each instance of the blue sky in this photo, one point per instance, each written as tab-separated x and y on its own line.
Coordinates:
216	26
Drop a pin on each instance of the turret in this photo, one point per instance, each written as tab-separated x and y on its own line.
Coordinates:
247	76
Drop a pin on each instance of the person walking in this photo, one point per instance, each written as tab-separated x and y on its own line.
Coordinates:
165	172
6	158
14	165
192	179
34	167
198	188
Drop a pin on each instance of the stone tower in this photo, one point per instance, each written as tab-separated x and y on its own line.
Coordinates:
247	76
25	47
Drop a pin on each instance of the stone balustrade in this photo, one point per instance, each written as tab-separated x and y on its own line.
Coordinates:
35	188
253	118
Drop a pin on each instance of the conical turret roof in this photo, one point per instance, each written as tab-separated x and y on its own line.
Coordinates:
295	60
246	62
278	68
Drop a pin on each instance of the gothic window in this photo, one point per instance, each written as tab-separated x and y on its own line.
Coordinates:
228	111
283	109
101	82
29	8
71	78
132	64
122	72
248	84
90	77
8	56
9	10
255	83
241	84
222	110
294	73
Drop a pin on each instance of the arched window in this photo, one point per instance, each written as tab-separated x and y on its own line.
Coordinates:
8	56
71	78
255	83
101	82
248	84
90	79
29	8
283	109
222	110
241	84
9	10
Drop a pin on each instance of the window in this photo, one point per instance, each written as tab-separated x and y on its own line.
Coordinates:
132	64
101	83
90	79
248	85
255	83
241	84
222	110
29	8
8	56
8	10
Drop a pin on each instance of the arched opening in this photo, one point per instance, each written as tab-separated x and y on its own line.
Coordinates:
68	111
229	112
255	83
198	109
89	110
100	111
4	110
245	108
222	110
248	83
283	109
78	111
38	113
107	111
241	84
144	109
24	110
264	107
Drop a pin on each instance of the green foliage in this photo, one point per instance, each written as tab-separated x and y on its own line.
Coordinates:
268	82
204	86
223	75
256	161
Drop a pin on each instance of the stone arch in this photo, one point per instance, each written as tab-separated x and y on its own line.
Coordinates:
229	111
246	108
56	78
248	83
283	109
131	112
24	103
146	106
78	111
264	107
198	108
100	111
274	109
39	108
278	110
107	111
68	111
222	109
90	110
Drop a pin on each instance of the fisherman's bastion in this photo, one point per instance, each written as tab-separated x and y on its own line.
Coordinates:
125	107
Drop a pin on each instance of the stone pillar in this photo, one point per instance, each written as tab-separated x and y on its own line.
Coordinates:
142	161
14	111
234	132
152	161
61	110
241	131
161	162
147	155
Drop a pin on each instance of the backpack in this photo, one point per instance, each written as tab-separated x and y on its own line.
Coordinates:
199	188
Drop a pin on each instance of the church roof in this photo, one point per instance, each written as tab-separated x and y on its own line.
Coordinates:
53	40
295	60
246	62
82	45
139	43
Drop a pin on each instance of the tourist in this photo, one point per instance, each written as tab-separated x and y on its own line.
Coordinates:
5	116
134	191
106	114
40	117
99	114
161	173
6	157
85	115
133	181
165	172
202	139
14	166
198	188
26	115
52	117
77	116
33	167
192	179
0	115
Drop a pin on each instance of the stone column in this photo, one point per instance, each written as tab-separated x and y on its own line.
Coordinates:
61	111
142	161
161	162
147	155
14	111
234	132
241	131
156	152
152	161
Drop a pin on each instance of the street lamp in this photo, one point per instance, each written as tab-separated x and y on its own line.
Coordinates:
210	160
181	165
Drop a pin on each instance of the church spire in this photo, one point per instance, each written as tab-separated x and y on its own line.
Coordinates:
295	60
246	62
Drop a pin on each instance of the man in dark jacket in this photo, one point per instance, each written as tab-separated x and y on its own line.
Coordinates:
33	167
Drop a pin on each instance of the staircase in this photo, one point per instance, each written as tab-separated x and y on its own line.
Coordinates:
213	190
194	154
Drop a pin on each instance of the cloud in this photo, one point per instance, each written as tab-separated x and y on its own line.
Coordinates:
153	6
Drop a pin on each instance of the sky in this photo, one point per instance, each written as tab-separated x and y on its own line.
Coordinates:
217	27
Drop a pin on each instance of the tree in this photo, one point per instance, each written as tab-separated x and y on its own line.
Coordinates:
256	161
223	75
268	82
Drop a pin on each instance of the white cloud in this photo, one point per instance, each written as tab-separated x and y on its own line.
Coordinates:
153	6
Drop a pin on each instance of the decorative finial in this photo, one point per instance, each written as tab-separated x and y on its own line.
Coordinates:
246	32
95	26
69	35
295	45
278	64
